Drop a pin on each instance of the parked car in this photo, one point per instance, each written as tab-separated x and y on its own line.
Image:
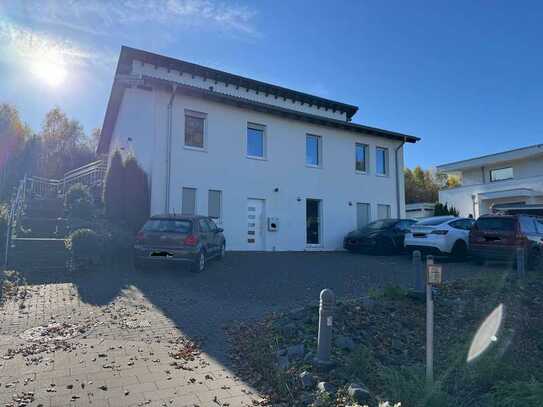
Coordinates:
382	236
440	235
185	239
497	237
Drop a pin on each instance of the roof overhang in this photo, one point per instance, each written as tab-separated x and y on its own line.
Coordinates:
492	159
509	193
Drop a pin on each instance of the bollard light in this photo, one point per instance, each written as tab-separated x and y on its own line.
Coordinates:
323	359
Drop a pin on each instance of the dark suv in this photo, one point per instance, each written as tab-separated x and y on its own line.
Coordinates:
179	238
498	237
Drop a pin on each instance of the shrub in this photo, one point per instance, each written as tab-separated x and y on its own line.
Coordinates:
136	195
118	240
445	210
85	247
78	202
518	394
113	189
4	213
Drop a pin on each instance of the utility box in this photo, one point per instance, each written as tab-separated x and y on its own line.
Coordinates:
273	224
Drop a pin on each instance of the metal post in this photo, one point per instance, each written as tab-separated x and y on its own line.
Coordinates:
521	262
429	327
323	359
419	271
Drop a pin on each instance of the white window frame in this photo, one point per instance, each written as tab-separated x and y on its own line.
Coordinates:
387	161
195	199
490	172
219	219
199	115
367	157
389	211
319	150
261	127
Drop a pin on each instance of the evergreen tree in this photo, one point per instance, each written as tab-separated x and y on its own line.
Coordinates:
136	194
114	189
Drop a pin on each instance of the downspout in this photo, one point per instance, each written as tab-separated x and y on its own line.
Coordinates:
398	178
169	151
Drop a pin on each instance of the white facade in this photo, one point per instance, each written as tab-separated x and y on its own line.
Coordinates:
419	210
511	177
277	185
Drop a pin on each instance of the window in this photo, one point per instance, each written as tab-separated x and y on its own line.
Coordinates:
212	225
188	205
313	150
462	224
362	215
256	141
214	204
405	225
194	129
527	225
204	226
383	211
539	226
495	224
501	174
361	157
381	160
168	225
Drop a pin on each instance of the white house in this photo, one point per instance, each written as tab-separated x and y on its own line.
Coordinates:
278	169
419	210
507	181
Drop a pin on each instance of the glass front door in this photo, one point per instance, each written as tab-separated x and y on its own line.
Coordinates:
313	222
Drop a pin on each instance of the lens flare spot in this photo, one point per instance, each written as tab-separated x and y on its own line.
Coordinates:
486	334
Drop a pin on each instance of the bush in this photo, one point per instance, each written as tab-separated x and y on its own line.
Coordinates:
4	213
136	195
118	240
445	210
78	202
518	394
85	247
113	189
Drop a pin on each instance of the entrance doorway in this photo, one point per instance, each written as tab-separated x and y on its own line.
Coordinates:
255	224
313	222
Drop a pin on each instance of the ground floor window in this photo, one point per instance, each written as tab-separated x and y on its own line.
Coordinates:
383	211
362	215
188	204
214	204
313	221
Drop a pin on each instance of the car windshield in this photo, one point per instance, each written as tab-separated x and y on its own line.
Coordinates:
379	224
168	225
496	224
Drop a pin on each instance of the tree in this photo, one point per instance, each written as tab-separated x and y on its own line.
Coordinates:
13	134
64	145
423	186
113	189
136	195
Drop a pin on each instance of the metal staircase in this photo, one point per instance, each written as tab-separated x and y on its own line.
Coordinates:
36	227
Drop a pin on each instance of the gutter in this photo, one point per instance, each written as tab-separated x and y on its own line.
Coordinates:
169	126
398	178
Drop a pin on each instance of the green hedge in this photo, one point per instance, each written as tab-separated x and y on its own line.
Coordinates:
79	202
85	247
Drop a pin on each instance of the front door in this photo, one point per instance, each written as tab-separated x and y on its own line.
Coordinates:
313	222
255	224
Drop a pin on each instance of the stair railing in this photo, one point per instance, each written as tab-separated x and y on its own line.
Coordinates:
15	211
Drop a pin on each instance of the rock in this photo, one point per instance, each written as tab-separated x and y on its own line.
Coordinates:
359	393
296	351
307	380
325	387
345	342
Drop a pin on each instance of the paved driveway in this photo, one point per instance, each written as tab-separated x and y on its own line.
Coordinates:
121	307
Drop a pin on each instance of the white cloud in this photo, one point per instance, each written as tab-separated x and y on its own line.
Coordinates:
101	17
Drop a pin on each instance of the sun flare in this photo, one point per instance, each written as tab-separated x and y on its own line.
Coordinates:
49	72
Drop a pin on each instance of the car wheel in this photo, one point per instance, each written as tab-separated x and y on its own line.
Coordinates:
199	264
459	250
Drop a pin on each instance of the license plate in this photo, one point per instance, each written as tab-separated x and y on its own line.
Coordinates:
161	254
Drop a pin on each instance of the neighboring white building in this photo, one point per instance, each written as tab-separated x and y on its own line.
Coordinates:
502	181
278	169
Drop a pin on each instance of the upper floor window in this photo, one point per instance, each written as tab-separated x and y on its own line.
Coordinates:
313	147
381	160
256	141
501	174
194	129
361	157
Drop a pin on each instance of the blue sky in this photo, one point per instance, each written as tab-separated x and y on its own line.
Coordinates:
464	76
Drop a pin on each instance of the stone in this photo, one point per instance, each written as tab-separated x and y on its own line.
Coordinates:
307	380
359	393
296	351
325	387
345	342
